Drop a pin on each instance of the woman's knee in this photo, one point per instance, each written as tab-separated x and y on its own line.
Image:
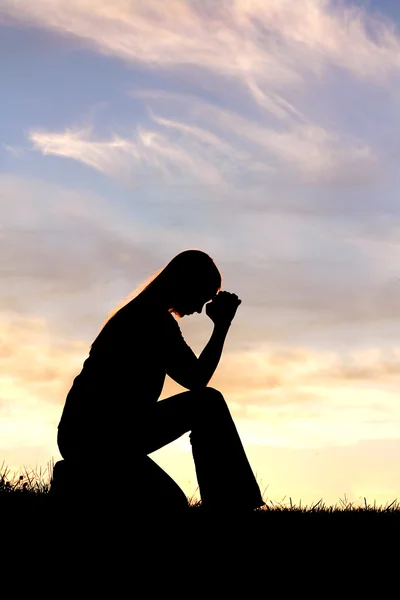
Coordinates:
213	393
210	400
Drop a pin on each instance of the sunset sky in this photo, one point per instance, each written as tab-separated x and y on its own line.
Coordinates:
264	132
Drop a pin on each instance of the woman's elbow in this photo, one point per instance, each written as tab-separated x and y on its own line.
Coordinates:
198	384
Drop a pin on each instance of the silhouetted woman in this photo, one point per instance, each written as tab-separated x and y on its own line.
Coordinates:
112	416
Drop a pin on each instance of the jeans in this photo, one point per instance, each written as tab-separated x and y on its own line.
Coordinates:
223	472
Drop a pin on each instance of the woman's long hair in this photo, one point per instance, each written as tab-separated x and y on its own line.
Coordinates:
192	268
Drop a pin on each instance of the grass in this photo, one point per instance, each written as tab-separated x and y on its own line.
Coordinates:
31	484
291	543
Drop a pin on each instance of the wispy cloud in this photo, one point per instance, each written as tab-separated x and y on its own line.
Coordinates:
136	160
14	150
215	146
60	246
267	41
271	57
300	397
299	273
39	367
297	397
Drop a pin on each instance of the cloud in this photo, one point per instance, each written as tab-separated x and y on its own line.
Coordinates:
264	41
301	376
61	248
147	154
14	150
286	393
35	365
297	391
302	275
269	60
304	398
206	145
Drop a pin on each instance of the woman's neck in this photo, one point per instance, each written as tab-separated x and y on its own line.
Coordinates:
155	297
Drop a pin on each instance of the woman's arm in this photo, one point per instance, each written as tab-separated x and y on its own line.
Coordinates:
189	371
192	372
210	356
221	311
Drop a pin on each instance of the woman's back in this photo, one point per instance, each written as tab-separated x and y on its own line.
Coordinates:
125	369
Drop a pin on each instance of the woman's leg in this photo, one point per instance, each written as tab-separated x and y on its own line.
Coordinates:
221	464
223	471
86	464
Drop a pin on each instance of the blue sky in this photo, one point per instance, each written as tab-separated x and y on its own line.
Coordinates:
265	134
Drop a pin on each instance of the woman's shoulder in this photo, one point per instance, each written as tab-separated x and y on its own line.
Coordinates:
139	316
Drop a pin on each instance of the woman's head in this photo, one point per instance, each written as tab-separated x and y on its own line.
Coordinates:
190	280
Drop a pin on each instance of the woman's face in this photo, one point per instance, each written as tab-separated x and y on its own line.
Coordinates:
192	301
